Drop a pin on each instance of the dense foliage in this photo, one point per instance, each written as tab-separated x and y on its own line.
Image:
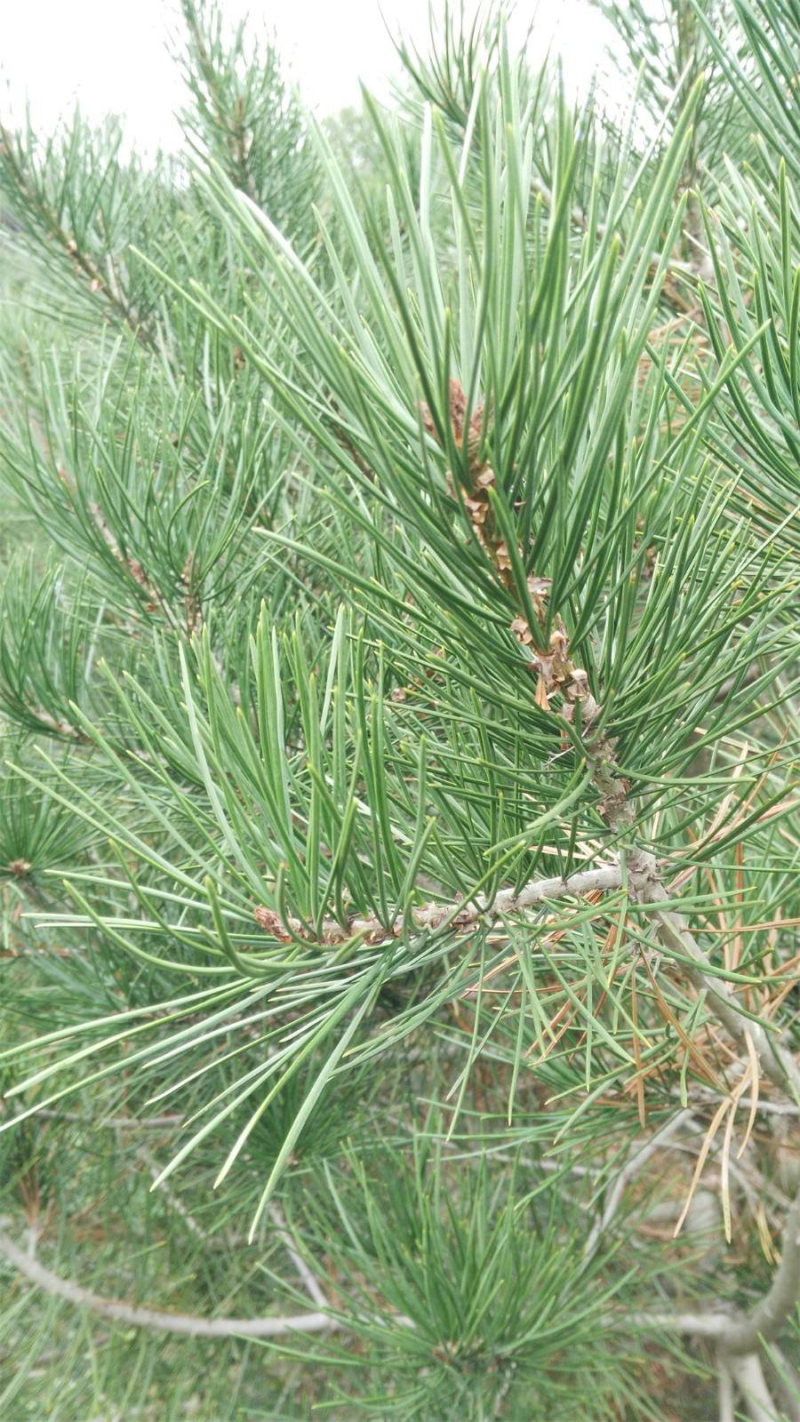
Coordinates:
399	711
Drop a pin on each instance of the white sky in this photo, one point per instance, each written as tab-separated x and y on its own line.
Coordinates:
112	56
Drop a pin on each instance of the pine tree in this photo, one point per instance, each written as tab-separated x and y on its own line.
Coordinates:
400	719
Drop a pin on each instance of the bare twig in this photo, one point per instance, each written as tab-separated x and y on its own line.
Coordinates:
636	1162
775	1108
114	1123
725	1393
315	1293
749	1377
172	1199
701	1325
135	1316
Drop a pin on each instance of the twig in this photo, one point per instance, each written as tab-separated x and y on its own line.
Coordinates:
727	1402
313	1289
172	1199
134	1316
635	1163
504	1389
702	1325
114	1123
749	1377
608	876
776	1108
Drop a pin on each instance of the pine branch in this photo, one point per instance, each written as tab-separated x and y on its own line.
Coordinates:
54	230
233	129
529	493
460	916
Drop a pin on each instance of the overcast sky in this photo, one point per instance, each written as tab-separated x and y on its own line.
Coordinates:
112	55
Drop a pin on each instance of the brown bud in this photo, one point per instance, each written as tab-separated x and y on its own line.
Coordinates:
477	510
538	587
578	685
474	435
458	409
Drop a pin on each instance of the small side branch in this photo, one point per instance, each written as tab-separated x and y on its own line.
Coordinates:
313	1289
700	1325
748	1375
635	1163
134	1316
725	1393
